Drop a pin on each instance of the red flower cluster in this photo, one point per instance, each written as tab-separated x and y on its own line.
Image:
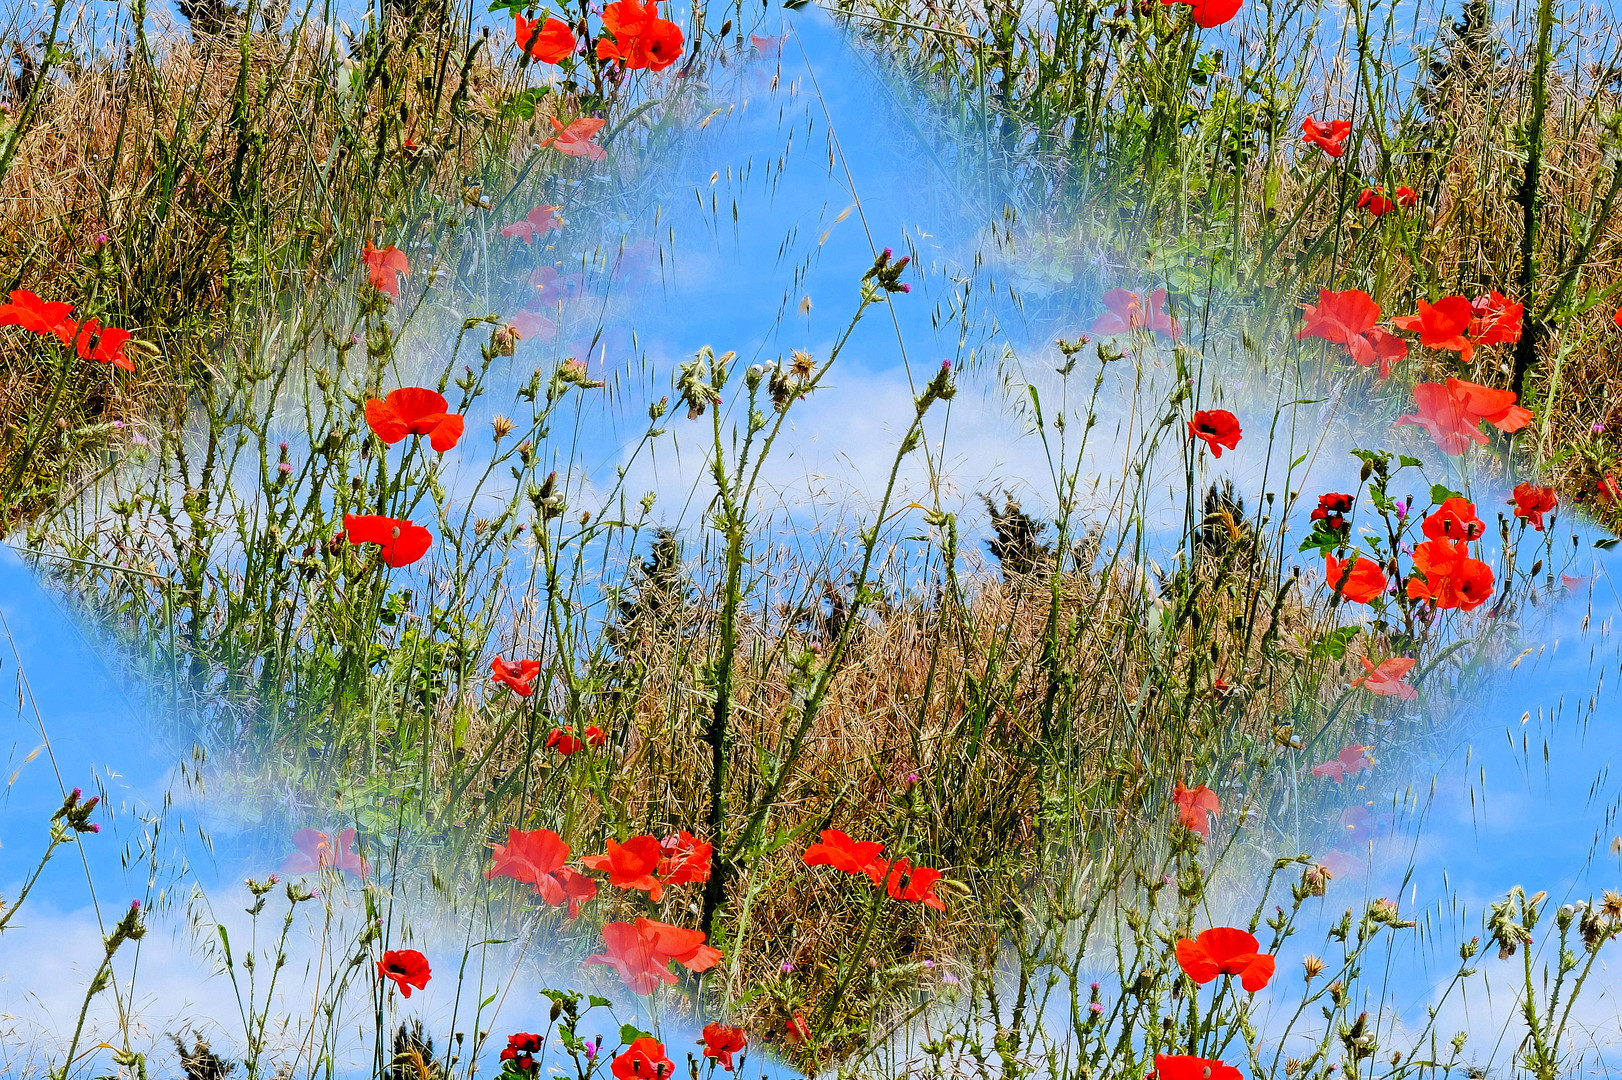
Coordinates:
720	1042
567	744
1128	312
1352	758
405	968
537	223
536	858
1358	579
384	267
1225	950
519	676
1376	202
637	37
642	953
1218	427
644	1059
1186	1067
1348	318
1453	412
1448	577
901	879
521	1050
1209	13
652	865
546	44
1460	325
1531	501
91	340
574	140
1195	807
317	852
401	542
414	410
1332	510
1329	137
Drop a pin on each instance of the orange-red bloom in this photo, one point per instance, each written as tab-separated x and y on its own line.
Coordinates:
537	223
631	865
1455	519
720	1042
1195	807
1209	13
904	881
383	268
402	543
637	38
406	968
1448	577
684	859
536	858
642	953
1495	319
519	676
414	410
317	852
1184	1067
1452	413
1387	678
1128	312
568	744
798	1029
846	855
547	44
644	1059
1218	427
1377	203
1225	950
1442	325
1358	579
1352	758
1531	501
575	139
92	341
27	311
1329	137
1348	318
1496	407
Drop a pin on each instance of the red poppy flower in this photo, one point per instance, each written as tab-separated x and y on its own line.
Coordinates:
1448	577
798	1029
1442	413
383	268
1128	312
642	953
551	286
92	341
1357	579
765	44
28	311
1195	807
720	1042
1609	488
1617	318
414	410
535	224
1455	519
644	1059
1406	196
1352	758
1360	824
1209	13
567	744
1495	319
1329	137
1442	325
317	852
904	881
631	865
1497	407
637	37
546	44
402	543
1225	950
521	1050
1375	202
406	968
1532	501
532	325
1348	318
1184	1067
1332	508
1218	427
844	854
536	858
575	139
1387	678
684	859
519	677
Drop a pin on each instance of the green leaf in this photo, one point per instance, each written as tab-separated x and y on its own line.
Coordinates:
630	1033
1604	545
1404	460
1441	493
1333	644
596	1001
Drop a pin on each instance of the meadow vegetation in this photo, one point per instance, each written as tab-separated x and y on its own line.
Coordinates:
926	798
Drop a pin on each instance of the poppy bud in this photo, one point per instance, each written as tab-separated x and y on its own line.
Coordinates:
557	1009
1367	471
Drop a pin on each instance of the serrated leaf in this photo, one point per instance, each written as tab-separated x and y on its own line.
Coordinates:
1405	460
599	1002
1441	493
630	1033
